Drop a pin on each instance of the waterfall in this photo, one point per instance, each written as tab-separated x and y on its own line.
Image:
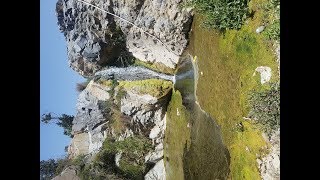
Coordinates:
132	73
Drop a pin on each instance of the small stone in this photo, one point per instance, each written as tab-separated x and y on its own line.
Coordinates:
201	73
265	73
259	29
178	113
117	158
247	149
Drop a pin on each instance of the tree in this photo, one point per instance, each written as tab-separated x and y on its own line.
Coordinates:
64	121
47	169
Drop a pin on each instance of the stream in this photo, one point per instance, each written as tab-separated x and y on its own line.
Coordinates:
207	157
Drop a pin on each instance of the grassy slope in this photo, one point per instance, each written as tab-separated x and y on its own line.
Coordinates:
228	62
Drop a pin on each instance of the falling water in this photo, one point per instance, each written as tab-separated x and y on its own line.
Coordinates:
132	73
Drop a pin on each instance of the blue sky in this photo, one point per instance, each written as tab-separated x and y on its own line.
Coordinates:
57	82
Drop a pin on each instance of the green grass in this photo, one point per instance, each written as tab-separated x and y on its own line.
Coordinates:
228	62
156	66
154	87
177	137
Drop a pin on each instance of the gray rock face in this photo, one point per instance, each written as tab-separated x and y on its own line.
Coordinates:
270	165
95	39
90	108
90	44
92	124
90	120
157	172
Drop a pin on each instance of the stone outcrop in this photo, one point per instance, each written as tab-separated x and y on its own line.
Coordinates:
270	164
96	39
157	172
93	123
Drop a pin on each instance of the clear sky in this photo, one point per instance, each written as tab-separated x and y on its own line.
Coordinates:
57	82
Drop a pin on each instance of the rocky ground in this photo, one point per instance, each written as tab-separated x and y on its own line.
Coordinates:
270	164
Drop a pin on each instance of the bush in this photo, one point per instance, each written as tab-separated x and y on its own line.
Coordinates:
265	108
47	169
272	9
133	150
273	31
222	14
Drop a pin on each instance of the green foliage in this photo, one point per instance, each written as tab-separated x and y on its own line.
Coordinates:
132	166
133	150
273	31
47	169
64	121
265	107
272	13
222	14
62	164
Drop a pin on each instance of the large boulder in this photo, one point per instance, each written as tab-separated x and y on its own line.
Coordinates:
95	39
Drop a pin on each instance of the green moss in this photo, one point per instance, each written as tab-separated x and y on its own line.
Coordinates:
156	66
228	62
154	87
177	137
246	145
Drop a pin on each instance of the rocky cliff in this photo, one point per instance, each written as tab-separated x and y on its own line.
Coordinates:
96	39
117	111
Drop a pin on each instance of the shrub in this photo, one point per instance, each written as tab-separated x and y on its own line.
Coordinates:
273	31
222	14
272	9
265	108
133	150
47	169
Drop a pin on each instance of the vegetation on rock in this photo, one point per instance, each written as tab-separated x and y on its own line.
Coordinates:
156	66
177	137
131	163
